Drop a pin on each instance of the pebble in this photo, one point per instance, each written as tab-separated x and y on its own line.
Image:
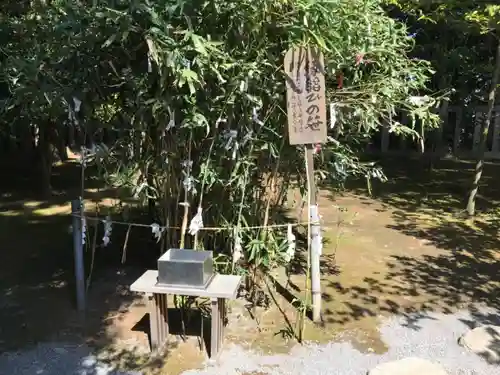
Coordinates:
55	358
408	366
427	336
484	341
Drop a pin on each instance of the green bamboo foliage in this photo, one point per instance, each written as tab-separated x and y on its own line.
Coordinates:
190	98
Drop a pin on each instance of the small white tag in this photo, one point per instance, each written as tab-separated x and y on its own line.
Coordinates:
333	115
316	240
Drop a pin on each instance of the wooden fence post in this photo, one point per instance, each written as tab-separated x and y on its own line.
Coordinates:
477	131
495	147
307	125
457	135
76	211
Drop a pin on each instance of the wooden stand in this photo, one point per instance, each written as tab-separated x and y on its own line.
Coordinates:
221	288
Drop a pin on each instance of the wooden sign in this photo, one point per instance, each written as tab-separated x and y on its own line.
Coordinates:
305	94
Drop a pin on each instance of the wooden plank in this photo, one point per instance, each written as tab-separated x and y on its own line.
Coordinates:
163	317
222	286
222	316
159	324
215	331
306	103
153	323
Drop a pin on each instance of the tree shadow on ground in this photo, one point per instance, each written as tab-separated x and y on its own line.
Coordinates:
468	270
298	265
37	301
412	187
428	206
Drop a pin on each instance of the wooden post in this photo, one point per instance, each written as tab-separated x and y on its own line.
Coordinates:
315	237
306	108
76	211
458	131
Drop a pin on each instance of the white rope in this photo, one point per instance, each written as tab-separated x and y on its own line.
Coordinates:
157	227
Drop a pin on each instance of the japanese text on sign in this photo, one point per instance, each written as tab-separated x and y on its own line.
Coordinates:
306	107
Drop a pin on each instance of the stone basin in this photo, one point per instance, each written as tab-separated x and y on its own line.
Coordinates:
185	268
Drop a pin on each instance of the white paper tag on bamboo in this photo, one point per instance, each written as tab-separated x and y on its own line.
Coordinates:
333	115
316	240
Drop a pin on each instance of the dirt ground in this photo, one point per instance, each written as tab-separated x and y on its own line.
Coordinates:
407	249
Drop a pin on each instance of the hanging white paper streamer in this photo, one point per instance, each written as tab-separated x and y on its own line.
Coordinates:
188	183
152	55
171	121
238	249
419	101
150	65
196	223
107	231
255	117
77	103
333	115
156	230
244	85
187	164
290	253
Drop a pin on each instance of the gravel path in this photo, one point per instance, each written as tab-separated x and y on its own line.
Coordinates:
55	359
433	337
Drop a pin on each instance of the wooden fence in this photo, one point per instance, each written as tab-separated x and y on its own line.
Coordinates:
458	135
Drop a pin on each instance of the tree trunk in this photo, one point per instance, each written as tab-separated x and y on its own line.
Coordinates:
436	151
60	144
443	115
28	144
45	161
471	203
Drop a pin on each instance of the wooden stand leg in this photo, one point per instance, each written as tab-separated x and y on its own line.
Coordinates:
218	323
214	339
153	322
202	333
222	321
158	320
163	318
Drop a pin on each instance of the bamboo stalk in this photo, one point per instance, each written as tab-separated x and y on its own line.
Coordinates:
125	243
185	204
